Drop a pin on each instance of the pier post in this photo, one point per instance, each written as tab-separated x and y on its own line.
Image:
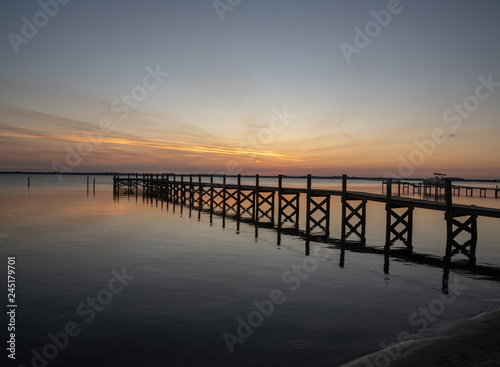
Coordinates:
157	189
200	193
388	220
191	191
256	200
280	209
184	190
449	222
343	236
169	189
238	198
175	194
144	185
211	194
308	207
224	196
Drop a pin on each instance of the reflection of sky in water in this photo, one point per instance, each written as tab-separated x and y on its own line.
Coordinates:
194	279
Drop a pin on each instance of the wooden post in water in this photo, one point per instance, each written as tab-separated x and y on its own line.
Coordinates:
388	216
200	193
94	185
280	194
172	187
211	194
224	196
449	221
87	183
168	188
256	200
344	210
183	191
191	191
308	206
157	190
29	182
164	187
496	192
238	195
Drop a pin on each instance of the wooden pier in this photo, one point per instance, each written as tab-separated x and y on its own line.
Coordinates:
258	204
429	189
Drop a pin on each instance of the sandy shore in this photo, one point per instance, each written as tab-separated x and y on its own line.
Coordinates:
473	342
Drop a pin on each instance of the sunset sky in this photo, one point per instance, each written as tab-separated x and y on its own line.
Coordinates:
255	86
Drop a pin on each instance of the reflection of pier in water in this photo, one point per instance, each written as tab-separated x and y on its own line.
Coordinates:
257	204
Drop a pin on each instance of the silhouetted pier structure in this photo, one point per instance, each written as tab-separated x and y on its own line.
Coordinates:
437	189
257	203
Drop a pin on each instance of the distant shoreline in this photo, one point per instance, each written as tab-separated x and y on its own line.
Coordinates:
261	176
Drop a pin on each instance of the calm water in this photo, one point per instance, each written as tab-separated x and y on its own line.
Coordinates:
189	281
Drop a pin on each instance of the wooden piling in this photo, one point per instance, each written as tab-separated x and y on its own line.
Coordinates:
449	221
344	210
183	191
200	193
256	199
308	206
224	195
211	194
191	191
280	197
238	195
388	216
